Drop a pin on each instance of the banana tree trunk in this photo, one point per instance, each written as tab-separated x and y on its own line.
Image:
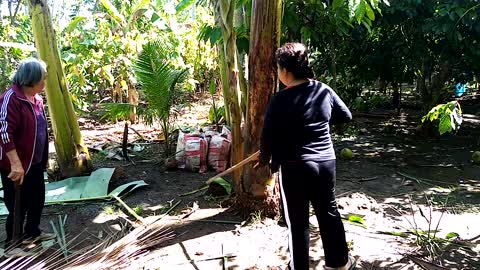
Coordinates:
243	84
225	11
72	154
242	64
264	41
224	79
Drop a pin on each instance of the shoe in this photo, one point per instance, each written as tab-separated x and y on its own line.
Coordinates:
351	264
39	238
17	253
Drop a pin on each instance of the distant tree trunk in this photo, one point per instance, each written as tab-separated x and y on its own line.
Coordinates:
438	84
477	80
421	86
382	86
264	40
431	95
225	11
72	154
133	100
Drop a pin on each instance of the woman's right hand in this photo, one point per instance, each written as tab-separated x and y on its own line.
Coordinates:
17	173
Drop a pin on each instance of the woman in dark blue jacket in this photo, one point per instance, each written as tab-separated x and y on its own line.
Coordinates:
296	138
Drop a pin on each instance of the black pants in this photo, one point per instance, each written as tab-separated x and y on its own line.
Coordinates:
32	201
304	182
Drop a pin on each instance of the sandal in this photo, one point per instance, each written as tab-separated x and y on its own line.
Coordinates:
352	261
351	264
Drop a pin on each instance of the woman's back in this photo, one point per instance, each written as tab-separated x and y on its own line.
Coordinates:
300	118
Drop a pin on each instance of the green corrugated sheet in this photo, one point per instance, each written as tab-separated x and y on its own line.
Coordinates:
82	188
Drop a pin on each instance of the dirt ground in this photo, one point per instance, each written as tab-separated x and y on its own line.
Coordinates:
400	182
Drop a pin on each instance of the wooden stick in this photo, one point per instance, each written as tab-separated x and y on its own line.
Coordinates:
125	142
235	167
194	191
130	210
17	212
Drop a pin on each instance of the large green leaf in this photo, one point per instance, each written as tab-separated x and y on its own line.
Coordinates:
127	188
74	23
370	12
65	190
82	188
224	183
337	4
97	184
112	10
360	11
207	32
184	4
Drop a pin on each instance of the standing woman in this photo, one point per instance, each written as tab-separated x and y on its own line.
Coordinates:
296	137
24	149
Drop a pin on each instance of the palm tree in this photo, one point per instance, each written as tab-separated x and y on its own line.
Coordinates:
159	79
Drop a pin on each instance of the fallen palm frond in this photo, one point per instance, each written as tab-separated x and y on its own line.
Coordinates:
117	251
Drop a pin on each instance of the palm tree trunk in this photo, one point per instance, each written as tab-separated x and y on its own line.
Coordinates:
72	154
264	41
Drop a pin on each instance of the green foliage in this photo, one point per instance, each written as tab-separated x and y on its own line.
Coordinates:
448	116
225	184
60	234
368	102
452	235
215	114
356	219
116	111
256	217
109	210
138	210
159	81
18	35
98	50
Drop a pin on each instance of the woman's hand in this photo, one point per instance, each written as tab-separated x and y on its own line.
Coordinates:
16	169
17	173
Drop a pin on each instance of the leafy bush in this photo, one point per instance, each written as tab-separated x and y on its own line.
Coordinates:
447	116
18	35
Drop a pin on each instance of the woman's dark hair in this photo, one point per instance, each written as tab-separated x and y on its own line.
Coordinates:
294	58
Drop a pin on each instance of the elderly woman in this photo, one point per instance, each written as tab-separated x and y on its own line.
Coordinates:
23	149
296	137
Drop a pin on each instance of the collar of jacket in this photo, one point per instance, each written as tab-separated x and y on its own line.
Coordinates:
21	95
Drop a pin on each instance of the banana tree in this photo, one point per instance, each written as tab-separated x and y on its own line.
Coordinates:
124	25
225	11
72	154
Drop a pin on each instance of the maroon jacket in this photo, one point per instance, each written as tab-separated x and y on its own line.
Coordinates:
18	128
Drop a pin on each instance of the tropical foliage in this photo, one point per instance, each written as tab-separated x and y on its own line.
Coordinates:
448	117
159	81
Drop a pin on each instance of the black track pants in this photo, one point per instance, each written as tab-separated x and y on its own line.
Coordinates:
307	182
32	201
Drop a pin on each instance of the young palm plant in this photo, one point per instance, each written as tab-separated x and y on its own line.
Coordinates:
159	83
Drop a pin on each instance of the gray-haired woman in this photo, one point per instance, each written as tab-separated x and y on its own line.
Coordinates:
24	149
